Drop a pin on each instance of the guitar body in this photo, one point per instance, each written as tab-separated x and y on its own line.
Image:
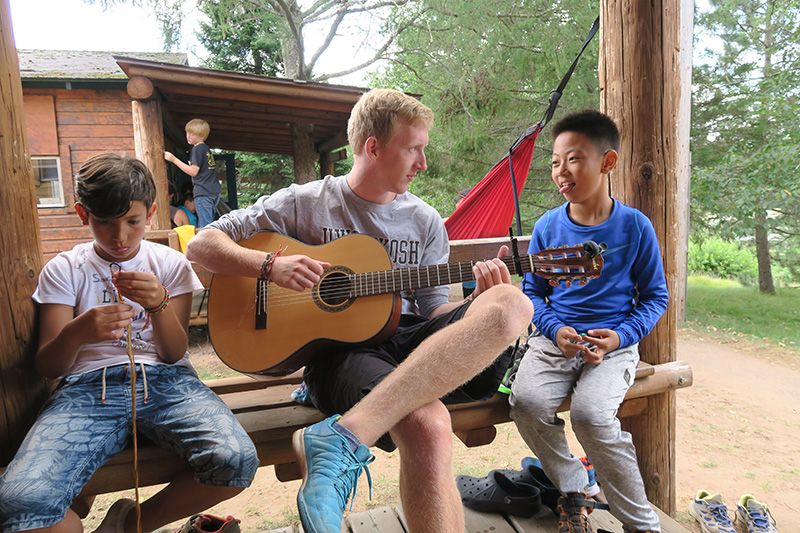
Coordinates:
299	325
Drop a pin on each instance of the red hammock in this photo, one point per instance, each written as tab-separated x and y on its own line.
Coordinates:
488	209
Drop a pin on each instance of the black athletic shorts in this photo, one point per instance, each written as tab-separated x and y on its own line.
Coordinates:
336	382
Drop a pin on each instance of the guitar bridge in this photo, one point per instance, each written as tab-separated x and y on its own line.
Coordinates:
262	299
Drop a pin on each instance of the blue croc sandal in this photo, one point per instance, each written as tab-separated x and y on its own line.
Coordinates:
501	491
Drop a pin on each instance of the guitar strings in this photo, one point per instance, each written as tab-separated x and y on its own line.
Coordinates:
378	283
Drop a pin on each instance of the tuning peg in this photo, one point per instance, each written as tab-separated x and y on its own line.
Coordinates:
553	282
568	283
583	281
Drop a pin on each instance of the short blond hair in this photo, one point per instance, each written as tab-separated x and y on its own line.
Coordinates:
378	110
199	127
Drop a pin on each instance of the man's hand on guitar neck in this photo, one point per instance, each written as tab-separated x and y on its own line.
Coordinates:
490	273
297	272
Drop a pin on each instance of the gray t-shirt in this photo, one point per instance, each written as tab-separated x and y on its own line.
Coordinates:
411	231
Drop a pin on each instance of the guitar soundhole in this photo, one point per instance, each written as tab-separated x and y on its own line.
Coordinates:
333	291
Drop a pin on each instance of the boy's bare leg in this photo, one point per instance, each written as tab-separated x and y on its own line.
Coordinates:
182	498
443	362
70	524
427	488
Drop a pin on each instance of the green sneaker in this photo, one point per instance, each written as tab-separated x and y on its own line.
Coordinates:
754	516
330	472
711	513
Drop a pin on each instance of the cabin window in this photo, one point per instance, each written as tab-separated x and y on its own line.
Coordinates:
47	180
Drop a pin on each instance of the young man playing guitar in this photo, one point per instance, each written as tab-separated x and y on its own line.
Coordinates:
395	387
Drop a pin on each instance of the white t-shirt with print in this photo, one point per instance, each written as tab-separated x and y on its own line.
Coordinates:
82	279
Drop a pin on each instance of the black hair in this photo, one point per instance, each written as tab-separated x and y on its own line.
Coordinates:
107	184
597	126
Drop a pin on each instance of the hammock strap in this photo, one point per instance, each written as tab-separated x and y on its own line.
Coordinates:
555	96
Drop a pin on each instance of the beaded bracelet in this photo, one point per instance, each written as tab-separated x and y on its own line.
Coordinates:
160	307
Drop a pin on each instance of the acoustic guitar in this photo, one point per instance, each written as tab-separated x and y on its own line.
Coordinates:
257	327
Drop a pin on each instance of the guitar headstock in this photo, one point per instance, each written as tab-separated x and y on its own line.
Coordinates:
579	263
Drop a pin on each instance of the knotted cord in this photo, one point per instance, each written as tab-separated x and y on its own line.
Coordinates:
115	268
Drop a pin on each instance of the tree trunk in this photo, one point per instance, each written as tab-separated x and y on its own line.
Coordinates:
645	85
765	282
304	153
22	391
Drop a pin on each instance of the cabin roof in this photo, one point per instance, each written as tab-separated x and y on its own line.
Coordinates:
83	64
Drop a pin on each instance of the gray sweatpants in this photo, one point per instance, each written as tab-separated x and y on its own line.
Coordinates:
544	379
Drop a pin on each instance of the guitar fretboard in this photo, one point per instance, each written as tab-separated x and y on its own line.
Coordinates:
400	279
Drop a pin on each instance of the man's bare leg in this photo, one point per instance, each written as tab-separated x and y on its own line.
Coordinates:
443	362
427	488
332	453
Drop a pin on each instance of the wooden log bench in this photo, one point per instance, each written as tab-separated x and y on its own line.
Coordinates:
269	415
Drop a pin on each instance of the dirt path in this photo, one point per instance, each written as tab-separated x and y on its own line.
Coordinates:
739	426
738	432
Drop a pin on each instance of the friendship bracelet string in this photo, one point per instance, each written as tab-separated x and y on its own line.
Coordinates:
116	268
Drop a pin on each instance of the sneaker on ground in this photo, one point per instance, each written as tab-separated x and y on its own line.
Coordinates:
208	523
754	516
330	472
114	521
711	513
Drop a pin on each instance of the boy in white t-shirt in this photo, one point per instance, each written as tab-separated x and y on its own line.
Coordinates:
88	297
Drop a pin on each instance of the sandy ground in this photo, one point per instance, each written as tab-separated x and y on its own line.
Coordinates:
738	433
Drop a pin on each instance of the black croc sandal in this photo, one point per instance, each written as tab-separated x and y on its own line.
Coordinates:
499	493
534	475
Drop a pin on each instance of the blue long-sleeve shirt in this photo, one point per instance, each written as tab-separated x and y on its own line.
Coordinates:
631	293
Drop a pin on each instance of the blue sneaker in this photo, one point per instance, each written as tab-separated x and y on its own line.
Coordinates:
592	489
711	513
330	472
754	516
300	395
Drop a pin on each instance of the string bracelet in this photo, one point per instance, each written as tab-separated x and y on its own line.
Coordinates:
160	307
266	265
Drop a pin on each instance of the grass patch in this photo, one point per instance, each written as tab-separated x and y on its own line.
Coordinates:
725	305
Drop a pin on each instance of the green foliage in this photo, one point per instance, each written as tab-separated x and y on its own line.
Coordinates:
240	39
260	174
723	259
727	306
745	131
487	69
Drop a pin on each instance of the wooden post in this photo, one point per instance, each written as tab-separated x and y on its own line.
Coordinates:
148	138
22	391
645	82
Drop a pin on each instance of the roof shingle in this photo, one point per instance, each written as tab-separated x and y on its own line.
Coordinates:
83	64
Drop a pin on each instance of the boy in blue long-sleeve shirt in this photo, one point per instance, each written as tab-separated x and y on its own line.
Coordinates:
587	336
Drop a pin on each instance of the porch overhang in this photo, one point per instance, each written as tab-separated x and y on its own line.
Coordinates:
246	112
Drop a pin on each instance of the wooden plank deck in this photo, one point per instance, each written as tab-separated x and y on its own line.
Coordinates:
390	519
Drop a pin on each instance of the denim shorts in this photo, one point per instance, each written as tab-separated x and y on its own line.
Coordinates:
85	422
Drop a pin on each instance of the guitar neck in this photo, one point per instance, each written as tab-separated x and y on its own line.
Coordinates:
400	279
